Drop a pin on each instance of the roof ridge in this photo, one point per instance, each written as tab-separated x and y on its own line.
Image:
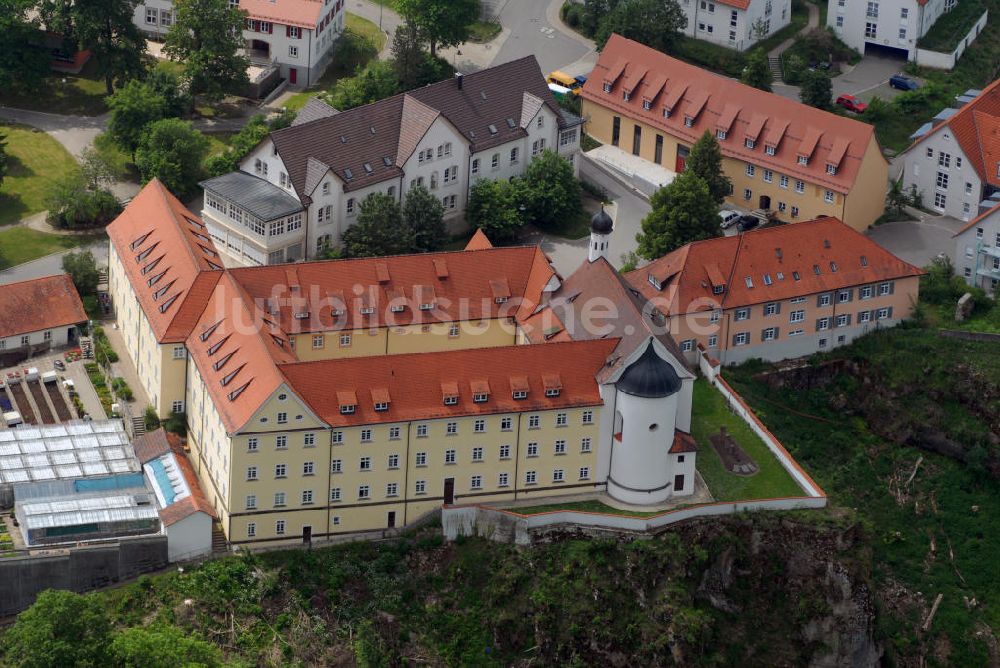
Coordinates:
960	113
975	220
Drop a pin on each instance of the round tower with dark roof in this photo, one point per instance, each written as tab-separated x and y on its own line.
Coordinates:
642	467
601	227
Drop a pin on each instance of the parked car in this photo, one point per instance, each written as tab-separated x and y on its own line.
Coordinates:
903	82
729	218
58	364
852	103
747	223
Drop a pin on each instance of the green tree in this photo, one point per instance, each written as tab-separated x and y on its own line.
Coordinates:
244	141
82	268
71	202
106	28
176	99
3	157
757	73
683	211
207	37
424	213
60	629
162	647
896	197
374	82
380	229
97	169
133	107
816	89
23	61
494	208
655	23
444	22
408	49
549	191
172	151
705	160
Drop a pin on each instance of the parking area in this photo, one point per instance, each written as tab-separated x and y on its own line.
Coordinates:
44	398
869	78
918	241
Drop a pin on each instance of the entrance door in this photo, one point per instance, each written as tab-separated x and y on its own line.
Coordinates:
293	75
765	202
307	535
678	483
449	491
392	519
682	154
616	130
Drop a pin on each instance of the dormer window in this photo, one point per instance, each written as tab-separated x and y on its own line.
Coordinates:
646	105
552	392
500	300
666	114
553	385
655	283
397	308
347	410
520	394
688	122
480	391
626	95
749	281
831	169
367	310
480	398
519	387
833	267
718	289
750	143
720	134
803	160
449	392
864	261
450	401
348	402
382	406
607	87
426	307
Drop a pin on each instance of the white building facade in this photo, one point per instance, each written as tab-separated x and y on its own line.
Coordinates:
296	36
892	26
737	24
977	251
298	191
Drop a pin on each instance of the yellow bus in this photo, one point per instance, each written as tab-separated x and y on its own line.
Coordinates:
560	78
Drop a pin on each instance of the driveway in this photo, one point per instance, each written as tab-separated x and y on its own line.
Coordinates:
52	264
869	78
918	241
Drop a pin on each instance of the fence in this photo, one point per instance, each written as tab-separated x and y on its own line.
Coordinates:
512	527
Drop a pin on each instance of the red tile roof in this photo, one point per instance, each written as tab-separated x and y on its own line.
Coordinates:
330	295
301	13
479	241
710	98
38	304
417	382
976	127
163	247
769	264
189	505
683	443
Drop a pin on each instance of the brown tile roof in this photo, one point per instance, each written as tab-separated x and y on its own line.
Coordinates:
189	505
330	295
163	247
690	90
683	443
769	264
151	445
40	303
415	381
976	127
388	131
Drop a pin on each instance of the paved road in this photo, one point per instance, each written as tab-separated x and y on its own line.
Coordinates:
74	132
533	33
918	241
51	264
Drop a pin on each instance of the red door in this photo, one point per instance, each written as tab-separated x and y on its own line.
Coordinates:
681	162
293	75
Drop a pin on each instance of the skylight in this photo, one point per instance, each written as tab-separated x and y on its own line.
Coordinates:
493	129
368	168
348	173
510	123
749	282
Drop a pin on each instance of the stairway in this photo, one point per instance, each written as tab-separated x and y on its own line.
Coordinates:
219	542
138	427
87	348
775	64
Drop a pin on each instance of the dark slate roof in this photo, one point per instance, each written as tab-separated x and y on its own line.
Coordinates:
261	198
601	222
649	376
384	134
314	110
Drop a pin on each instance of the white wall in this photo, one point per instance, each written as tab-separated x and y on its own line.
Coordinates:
977	250
946	61
190	537
922	169
59	337
714	21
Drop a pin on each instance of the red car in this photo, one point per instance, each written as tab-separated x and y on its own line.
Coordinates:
852	103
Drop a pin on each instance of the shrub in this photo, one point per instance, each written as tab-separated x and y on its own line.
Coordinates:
151	419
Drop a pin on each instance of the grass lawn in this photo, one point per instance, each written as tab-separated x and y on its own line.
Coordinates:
952	27
366	29
583	506
81	94
34	160
710	412
21	244
481	32
218	142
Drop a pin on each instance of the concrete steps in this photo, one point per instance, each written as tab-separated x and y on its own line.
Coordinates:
219	542
775	64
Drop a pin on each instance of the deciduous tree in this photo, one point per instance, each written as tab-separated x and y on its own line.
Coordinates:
162	647
444	22
683	211
106	28
172	151
82	268
60	629
424	213
494	208
23	61
758	73
207	37
705	160
655	23
376	81
133	107
816	89
380	229
549	191
3	157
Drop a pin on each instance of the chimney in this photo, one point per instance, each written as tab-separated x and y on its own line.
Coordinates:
458	78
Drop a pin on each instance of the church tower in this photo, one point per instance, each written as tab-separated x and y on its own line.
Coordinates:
601	227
